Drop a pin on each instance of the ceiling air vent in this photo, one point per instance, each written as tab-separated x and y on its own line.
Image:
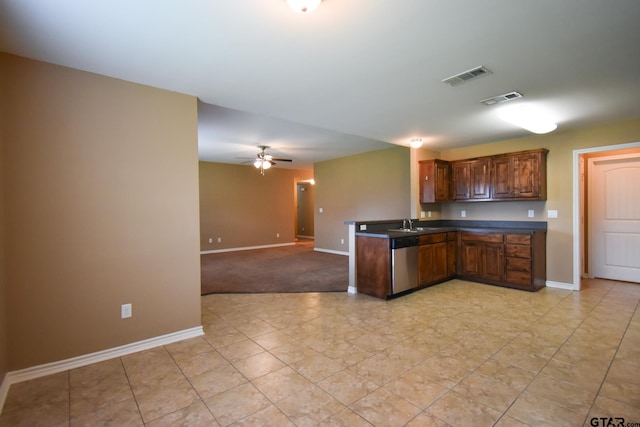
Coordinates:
471	74
501	98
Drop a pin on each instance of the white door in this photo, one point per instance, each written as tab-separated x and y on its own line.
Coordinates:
614	217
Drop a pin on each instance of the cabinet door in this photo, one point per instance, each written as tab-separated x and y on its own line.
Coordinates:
492	261
471	259
479	177
432	263
526	175
461	183
435	181
425	255
502	178
439	266
443	181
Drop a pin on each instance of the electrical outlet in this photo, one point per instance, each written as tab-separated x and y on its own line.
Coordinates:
219	239
210	240
363	227
531	213
429	214
125	311
423	214
342	241
463	213
320	210
278	235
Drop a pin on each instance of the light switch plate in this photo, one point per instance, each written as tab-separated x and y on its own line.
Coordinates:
552	213
531	213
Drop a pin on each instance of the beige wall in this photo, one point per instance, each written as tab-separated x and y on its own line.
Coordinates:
244	208
101	209
559	189
370	186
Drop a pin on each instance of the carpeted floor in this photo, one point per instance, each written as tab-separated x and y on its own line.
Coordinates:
295	268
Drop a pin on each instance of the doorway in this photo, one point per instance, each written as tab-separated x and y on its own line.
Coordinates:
613	226
304	210
583	244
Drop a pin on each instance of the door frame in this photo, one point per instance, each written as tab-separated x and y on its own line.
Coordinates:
577	205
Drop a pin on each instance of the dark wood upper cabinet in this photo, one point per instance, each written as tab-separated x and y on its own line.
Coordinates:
471	179
435	181
512	176
519	176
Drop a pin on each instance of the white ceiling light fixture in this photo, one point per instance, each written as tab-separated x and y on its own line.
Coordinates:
304	6
529	118
416	142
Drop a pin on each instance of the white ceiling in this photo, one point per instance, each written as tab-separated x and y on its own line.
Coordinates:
352	76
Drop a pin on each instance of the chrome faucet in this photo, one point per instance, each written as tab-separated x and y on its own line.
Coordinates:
406	222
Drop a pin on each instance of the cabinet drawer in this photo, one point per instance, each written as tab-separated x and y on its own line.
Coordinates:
484	237
426	239
519	251
519	239
452	235
518	264
518	277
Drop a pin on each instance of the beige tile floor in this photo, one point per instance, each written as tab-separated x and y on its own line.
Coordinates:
459	354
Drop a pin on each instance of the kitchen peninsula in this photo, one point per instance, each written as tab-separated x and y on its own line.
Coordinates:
388	258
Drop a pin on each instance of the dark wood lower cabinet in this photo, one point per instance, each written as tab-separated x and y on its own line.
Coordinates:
516	260
432	259
513	259
373	270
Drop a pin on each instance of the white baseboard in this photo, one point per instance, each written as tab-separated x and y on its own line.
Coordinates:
21	375
561	285
330	251
246	248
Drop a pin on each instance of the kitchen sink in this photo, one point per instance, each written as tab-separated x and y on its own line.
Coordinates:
413	230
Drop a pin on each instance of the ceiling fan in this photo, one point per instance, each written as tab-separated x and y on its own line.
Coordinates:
265	161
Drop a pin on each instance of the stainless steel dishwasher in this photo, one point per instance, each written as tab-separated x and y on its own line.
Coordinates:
404	264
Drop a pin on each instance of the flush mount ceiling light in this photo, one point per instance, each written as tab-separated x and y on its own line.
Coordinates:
304	6
527	117
416	142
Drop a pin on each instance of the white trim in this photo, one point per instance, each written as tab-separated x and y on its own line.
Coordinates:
4	391
246	248
331	251
577	269
562	285
21	375
352	290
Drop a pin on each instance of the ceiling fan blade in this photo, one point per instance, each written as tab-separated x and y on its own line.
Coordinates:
282	160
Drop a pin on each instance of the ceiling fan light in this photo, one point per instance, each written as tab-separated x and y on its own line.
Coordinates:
416	142
303	6
266	164
257	163
528	118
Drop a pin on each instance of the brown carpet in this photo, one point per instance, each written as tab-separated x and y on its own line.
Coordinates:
295	268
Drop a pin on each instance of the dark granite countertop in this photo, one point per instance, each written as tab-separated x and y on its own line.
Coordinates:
386	228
